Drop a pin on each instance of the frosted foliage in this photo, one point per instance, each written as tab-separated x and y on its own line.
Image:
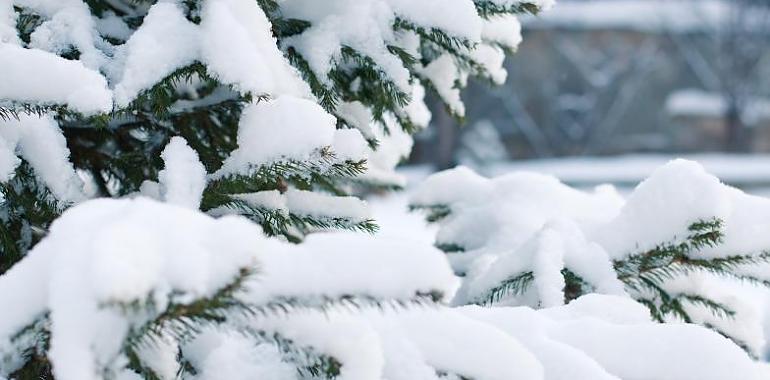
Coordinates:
239	47
119	61
39	141
229	355
107	252
444	75
504	30
595	337
37	76
529	223
304	129
165	42
363	25
103	255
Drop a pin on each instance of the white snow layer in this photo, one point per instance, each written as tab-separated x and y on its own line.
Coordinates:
234	40
106	253
594	337
183	177
235	43
40	142
37	76
165	42
524	222
304	128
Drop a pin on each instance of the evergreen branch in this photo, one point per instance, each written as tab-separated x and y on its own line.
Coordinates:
450	247
434	213
308	362
574	285
715	308
276	176
327	97
183	320
28	207
513	286
286	305
488	9
34	342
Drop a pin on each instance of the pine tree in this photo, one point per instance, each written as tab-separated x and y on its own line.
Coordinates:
148	72
191	122
277	111
527	239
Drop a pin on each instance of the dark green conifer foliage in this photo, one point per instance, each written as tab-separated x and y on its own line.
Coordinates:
121	149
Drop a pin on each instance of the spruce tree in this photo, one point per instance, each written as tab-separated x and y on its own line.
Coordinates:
215	135
119	79
275	110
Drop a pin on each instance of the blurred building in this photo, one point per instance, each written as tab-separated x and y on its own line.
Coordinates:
619	76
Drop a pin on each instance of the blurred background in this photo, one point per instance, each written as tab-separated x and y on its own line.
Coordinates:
605	90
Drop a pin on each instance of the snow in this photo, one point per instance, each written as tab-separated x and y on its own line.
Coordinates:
165	42
229	355
66	23
332	265
183	178
504	30
286	128
741	170
8	161
665	207
458	17
307	204
394	147
314	204
8	33
32	75
238	46
350	145
600	345
585	338
39	141
365	26
269	199
531	223
443	73
106	253
111	25
120	251
417	111
698	103
491	58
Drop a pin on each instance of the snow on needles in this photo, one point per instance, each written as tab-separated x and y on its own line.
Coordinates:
534	228
36	76
40	142
106	254
304	129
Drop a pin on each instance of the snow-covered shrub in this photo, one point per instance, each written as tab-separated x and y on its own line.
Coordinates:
287	104
137	289
527	239
273	110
